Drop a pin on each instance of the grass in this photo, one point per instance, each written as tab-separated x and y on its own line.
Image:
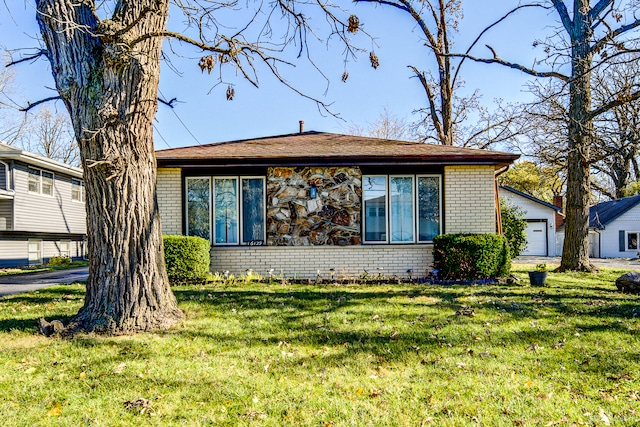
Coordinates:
294	355
12	271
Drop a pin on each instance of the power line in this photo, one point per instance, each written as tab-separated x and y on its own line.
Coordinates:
180	120
161	137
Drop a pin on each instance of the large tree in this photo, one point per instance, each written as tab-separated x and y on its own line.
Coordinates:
105	60
589	36
446	118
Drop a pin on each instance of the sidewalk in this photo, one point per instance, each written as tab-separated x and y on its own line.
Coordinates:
31	281
631	264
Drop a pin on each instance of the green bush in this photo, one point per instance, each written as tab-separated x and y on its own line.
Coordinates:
59	261
187	258
471	256
513	226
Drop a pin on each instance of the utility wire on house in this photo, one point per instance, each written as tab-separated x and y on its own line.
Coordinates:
181	122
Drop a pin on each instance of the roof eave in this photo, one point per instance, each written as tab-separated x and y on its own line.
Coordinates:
190	162
43	162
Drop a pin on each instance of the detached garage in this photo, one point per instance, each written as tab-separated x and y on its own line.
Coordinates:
541	221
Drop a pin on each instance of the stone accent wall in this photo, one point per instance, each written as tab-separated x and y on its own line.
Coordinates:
304	262
169	188
469	194
294	218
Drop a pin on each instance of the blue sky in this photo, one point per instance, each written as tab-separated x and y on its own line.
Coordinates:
274	109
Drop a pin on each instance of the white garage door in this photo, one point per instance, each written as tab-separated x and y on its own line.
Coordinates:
536	239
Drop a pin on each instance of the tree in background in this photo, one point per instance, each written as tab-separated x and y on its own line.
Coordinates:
542	182
445	118
386	126
50	135
589	37
617	144
513	226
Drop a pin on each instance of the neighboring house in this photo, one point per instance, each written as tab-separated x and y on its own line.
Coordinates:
614	228
42	210
541	220
320	203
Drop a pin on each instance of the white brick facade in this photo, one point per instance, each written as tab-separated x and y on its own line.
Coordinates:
305	261
469	199
169	188
469	207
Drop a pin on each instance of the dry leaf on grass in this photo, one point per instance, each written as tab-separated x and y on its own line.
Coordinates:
56	411
142	405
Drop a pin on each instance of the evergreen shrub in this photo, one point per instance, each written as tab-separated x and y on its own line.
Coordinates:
471	256
187	258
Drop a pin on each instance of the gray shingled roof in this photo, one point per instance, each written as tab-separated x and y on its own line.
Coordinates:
323	147
604	213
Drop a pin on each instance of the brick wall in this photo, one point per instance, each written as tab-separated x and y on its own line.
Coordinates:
469	195
305	261
169	189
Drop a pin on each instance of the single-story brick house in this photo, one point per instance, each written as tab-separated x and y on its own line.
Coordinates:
320	203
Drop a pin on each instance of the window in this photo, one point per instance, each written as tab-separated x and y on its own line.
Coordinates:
199	207
40	182
225	195
428	208
413	203
374	194
35	252
253	201
4	177
34	181
632	241
77	191
233	207
401	201
64	246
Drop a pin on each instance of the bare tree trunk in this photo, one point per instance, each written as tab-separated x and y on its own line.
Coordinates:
109	82
575	254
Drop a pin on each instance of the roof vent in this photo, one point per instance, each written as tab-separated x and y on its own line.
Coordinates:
301	126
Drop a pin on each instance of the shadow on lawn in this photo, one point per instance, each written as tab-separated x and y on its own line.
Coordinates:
321	317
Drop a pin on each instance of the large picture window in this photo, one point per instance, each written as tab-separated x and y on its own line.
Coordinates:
226	210
413	203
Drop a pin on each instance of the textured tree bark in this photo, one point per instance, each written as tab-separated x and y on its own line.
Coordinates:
109	83
575	254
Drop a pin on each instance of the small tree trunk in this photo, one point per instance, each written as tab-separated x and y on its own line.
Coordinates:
109	83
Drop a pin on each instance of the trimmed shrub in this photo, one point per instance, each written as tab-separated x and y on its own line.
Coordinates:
471	256
187	258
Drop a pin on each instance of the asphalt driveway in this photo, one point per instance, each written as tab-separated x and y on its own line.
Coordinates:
31	281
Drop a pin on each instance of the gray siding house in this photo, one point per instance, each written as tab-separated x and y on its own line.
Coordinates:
42	211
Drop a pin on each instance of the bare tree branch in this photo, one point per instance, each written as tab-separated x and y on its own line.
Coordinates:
32	105
515	66
41	52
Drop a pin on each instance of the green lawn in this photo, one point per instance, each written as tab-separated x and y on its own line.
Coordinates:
352	355
12	271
